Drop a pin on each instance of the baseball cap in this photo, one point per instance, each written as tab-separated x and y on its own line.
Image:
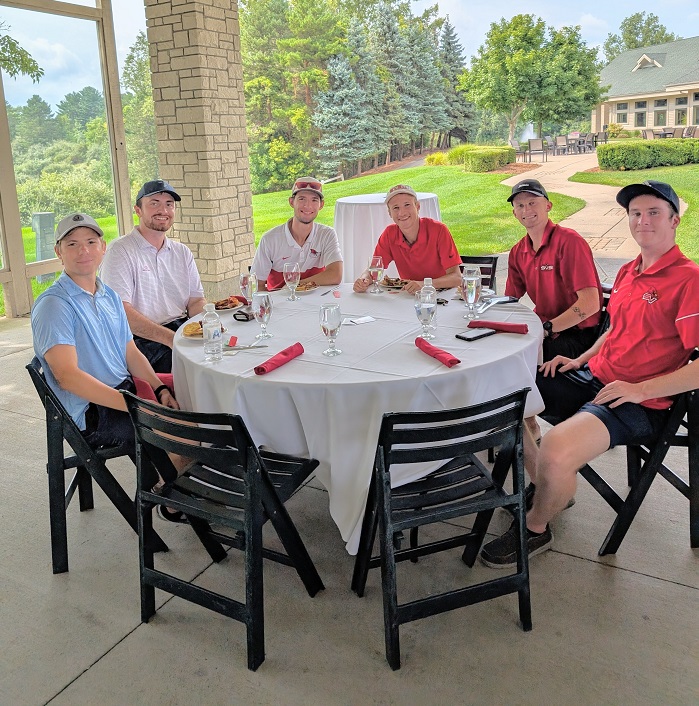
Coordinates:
399	189
528	186
655	188
307	184
76	220
157	186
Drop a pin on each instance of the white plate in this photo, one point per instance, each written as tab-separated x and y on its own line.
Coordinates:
306	291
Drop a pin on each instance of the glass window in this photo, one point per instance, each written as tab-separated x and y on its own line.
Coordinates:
622	106
696	116
640	119
621	118
696	97
661	103
660	118
681	116
641	104
681	101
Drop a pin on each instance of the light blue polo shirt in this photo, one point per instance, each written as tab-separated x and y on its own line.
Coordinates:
65	314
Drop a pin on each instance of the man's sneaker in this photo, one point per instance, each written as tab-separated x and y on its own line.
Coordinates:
529	499
501	553
165	513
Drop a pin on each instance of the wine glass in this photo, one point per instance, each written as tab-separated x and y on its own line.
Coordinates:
376	272
262	309
471	289
248	284
425	308
292	276
330	323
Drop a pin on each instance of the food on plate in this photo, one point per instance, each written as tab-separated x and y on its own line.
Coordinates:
307	286
229	303
394	282
194	330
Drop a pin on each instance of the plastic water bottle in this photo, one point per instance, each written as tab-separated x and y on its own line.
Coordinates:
213	340
428	288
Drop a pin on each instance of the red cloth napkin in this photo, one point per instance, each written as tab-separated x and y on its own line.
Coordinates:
280	359
442	356
241	298
499	326
145	391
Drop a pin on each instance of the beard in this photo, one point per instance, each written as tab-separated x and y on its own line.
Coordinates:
160	226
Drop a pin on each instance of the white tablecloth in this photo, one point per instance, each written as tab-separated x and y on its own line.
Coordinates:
330	408
360	220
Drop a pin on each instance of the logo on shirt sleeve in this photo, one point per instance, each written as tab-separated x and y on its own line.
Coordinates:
651	295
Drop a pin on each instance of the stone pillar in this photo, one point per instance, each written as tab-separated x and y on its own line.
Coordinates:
200	119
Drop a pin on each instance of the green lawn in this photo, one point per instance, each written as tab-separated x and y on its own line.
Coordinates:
685	181
474	207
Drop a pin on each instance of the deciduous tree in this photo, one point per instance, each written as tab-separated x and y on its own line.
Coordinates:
14	60
637	30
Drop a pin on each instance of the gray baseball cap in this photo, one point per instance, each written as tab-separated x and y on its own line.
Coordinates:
76	220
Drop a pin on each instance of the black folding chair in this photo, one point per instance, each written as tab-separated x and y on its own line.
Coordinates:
461	486
89	464
488	265
230	485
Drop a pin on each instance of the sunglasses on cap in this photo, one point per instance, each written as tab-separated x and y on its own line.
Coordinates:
308	185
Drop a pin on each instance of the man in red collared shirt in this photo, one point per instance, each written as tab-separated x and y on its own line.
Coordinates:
619	391
555	267
420	247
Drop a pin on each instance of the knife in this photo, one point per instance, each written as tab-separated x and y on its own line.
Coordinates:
330	290
246	348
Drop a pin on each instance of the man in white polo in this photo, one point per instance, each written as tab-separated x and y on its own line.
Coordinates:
156	277
313	246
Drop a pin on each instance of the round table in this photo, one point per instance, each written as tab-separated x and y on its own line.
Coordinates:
331	408
360	220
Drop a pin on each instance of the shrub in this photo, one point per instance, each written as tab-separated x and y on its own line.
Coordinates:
614	129
436	159
457	155
485	159
644	154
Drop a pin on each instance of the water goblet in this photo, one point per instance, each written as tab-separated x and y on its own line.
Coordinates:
248	284
425	308
471	289
262	310
375	272
330	323
292	276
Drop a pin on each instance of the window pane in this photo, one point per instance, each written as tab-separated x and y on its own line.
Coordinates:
660	118
696	96
622	106
696	116
640	104
621	118
681	101
661	103
681	116
640	120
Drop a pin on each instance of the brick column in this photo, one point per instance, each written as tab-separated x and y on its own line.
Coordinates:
200	119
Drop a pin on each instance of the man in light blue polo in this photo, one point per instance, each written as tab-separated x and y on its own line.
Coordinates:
82	338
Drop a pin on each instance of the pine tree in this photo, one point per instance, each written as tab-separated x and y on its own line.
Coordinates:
451	64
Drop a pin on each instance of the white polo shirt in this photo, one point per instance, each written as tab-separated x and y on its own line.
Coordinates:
157	283
278	246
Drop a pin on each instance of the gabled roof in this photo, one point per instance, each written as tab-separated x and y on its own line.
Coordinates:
653	69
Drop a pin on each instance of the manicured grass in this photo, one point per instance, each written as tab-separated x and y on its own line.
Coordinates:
684	180
474	206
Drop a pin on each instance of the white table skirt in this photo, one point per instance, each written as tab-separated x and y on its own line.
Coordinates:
360	220
331	408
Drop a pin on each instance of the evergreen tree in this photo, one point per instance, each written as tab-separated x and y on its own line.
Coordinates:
79	107
451	64
343	117
37	126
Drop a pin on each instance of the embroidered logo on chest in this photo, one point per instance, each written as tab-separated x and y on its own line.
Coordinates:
651	296
315	253
545	267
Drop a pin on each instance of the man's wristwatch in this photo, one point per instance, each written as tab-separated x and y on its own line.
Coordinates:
548	329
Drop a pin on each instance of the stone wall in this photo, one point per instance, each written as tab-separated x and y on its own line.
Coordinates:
200	118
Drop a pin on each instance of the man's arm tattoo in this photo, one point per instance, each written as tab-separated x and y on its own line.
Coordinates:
581	314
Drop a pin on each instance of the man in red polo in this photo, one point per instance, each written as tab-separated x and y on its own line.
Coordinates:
620	390
555	267
420	247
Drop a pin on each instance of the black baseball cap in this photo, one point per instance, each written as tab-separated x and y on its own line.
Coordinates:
654	188
158	186
528	186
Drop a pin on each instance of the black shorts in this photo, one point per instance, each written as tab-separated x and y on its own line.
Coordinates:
570	343
159	355
571	392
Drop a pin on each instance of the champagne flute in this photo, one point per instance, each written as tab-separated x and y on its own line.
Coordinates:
330	323
376	272
425	308
471	289
262	310
292	276
248	284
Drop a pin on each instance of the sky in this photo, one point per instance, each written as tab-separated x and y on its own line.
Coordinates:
67	49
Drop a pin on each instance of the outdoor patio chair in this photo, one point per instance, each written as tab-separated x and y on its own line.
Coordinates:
520	151
88	463
550	144
461	486
678	132
537	146
689	131
230	485
488	265
561	145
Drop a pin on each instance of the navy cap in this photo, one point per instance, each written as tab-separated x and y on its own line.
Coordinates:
654	188
158	186
528	186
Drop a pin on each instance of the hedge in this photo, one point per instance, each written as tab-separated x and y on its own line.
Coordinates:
479	158
645	154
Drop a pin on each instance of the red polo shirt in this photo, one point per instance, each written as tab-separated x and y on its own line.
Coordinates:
655	322
431	255
551	275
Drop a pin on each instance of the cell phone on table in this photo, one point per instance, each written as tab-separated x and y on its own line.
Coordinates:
473	334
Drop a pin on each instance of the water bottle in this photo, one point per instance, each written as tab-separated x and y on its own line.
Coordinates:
213	340
428	288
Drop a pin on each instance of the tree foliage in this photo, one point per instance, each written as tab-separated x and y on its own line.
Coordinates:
637	30
15	60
